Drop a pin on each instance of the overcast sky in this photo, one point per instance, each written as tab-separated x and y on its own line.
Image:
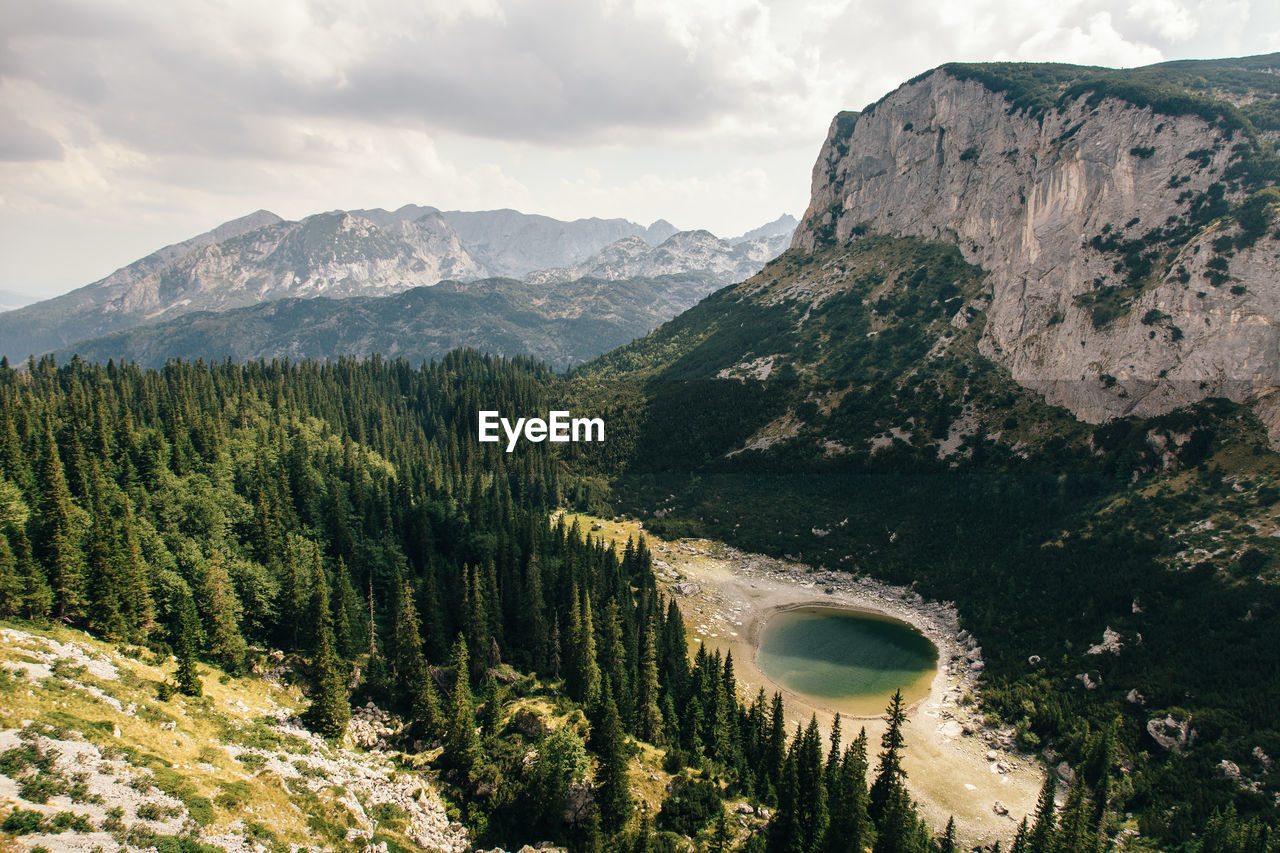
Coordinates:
129	124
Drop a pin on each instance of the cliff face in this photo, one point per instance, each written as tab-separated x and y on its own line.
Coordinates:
1118	282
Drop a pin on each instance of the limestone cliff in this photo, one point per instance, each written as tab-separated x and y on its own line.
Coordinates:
1121	277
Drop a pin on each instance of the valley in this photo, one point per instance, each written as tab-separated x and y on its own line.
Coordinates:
1013	386
955	764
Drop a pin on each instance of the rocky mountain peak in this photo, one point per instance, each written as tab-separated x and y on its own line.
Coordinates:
1129	242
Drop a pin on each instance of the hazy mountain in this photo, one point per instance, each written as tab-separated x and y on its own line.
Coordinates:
783	226
262	257
561	323
510	243
685	251
250	260
10	300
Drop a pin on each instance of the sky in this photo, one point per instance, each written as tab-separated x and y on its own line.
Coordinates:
126	125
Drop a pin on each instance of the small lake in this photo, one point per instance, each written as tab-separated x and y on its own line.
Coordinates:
848	660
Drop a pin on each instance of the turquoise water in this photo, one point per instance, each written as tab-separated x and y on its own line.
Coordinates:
832	654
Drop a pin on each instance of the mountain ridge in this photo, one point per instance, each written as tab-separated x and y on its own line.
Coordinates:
261	257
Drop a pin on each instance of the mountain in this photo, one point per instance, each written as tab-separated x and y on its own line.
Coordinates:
261	257
783	226
250	260
1125	219
226	291
1021	356
10	300
682	253
513	244
561	323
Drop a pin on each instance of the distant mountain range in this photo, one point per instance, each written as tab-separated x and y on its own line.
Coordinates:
245	264
10	300
559	323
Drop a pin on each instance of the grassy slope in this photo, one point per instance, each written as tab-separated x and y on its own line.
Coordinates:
215	768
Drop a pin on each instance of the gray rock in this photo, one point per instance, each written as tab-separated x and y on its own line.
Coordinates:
1019	201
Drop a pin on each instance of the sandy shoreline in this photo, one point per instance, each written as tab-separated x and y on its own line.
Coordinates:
955	765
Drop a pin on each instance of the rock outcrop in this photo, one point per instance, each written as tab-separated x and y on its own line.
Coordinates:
1112	290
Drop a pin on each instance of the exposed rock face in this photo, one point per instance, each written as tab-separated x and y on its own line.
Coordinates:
1170	732
946	159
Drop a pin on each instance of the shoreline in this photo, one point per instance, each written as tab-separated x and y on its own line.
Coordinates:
956	765
756	627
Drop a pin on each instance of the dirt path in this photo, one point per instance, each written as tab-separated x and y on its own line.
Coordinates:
954	764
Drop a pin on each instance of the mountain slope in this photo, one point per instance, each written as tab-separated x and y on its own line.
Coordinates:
1126	221
252	260
561	324
563	316
341	254
900	395
233	769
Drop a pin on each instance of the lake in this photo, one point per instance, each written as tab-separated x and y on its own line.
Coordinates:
848	660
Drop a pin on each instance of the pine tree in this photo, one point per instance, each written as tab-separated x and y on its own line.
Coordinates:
833	754
784	832
899	828
406	641
426	713
811	804
721	840
648	725
613	793
136	600
294	593
462	745
889	773
1040	838
851	829
105	584
330	709
184	646
222	612
58	543
948	843
35	597
1020	838
775	747
10	580
1074	834
582	677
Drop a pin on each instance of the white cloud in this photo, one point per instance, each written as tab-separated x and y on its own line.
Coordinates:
1169	18
133	118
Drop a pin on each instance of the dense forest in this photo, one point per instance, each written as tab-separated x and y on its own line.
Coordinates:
345	515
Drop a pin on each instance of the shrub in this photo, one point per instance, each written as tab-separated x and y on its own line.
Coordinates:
689	806
23	822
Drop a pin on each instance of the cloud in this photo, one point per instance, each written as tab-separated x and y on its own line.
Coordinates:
22	141
706	112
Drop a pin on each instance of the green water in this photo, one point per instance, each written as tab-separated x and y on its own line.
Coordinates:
842	656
